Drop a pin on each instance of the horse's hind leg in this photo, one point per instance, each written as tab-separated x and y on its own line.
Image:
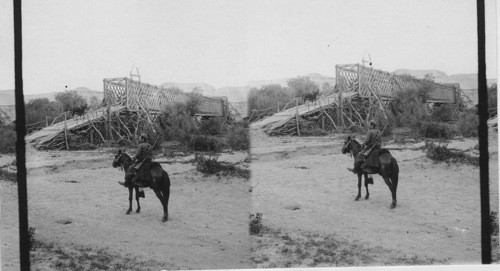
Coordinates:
166	197
130	192
366	186
137	199
359	188
392	186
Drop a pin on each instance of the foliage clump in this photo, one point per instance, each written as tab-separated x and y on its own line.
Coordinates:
440	153
8	142
238	138
256	224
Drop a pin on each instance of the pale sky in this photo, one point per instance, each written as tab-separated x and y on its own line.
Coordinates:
229	42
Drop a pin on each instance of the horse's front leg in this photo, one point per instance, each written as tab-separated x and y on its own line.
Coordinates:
137	199
366	186
130	192
359	188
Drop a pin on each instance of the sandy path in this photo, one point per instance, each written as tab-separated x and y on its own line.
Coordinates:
438	213
207	227
9	222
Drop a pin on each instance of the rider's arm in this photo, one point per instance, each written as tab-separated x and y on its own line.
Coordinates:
138	152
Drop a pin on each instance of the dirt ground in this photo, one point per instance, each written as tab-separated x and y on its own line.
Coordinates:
301	184
74	200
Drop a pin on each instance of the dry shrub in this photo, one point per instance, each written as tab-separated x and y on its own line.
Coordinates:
256	224
212	126
442	113
440	153
436	130
238	138
468	124
208	165
8	142
206	144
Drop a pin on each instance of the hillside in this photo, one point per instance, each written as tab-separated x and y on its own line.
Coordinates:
466	81
315	77
7	97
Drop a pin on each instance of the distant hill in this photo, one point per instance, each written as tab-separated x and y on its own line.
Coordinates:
188	87
466	81
7	97
82	91
315	77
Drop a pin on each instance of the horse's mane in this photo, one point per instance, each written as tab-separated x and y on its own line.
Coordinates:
355	141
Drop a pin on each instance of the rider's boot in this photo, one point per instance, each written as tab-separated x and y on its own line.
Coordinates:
370	179
128	180
356	169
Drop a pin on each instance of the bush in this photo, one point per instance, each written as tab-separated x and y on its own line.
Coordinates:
212	126
206	144
442	113
436	130
256	224
208	165
468	124
8	142
70	99
494	223
238	138
441	153
177	124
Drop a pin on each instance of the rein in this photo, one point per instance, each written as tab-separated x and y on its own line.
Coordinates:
127	158
355	150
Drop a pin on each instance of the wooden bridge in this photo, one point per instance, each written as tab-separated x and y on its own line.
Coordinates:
137	96
369	82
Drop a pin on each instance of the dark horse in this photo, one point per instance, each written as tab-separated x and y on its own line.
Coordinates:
78	110
160	182
389	169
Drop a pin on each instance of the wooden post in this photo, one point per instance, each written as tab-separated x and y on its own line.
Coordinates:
66	133
341	111
278	106
46	121
108	128
297	115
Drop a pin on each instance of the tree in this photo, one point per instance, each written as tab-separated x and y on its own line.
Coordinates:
327	88
70	99
303	85
94	102
492	100
38	109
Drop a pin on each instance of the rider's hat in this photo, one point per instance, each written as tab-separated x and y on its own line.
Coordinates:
143	135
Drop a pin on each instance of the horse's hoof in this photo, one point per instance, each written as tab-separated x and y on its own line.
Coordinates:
393	205
138	210
357	197
367	196
165	218
128	212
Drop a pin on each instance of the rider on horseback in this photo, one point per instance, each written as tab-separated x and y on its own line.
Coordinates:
138	172
368	157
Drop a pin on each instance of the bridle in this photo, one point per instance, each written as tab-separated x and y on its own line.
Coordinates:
348	143
119	159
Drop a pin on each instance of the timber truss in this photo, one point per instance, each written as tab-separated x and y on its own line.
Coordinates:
369	83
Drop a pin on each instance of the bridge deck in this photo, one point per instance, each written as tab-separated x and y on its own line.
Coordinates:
45	135
277	120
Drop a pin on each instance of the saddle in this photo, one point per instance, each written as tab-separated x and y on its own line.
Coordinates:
142	174
371	162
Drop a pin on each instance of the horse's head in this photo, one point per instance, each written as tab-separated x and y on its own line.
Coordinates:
348	145
120	158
